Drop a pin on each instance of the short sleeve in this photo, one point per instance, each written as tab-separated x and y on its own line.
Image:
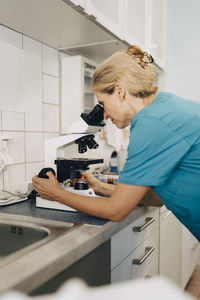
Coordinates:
154	152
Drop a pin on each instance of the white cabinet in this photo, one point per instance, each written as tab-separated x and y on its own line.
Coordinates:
76	95
107	13
170	247
179	250
157	30
78	2
135	22
190	255
137	261
138	22
135	247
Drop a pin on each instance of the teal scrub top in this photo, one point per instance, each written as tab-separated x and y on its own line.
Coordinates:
164	153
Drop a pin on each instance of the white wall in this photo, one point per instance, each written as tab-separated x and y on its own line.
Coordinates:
29	103
183	48
182	76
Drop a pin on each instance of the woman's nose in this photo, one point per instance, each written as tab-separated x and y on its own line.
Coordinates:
106	116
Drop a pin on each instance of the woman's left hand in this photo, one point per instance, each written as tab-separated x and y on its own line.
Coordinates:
47	188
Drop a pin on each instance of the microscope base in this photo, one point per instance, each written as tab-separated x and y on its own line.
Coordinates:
40	202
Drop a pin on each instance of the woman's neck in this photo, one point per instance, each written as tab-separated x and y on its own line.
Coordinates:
137	104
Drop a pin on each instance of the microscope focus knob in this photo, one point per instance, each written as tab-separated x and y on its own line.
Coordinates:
43	172
81	185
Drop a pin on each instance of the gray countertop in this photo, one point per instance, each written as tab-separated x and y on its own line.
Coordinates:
43	263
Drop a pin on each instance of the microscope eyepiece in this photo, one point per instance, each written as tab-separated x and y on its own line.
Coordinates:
85	141
82	147
92	144
95	117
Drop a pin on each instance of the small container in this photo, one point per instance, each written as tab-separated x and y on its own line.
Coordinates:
114	162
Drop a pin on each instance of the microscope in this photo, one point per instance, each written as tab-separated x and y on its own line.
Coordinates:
69	171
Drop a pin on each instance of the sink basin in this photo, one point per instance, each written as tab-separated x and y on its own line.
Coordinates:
19	237
15	237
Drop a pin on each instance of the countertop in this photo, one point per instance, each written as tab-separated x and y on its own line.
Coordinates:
43	263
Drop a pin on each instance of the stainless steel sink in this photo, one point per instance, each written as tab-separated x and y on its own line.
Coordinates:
19	237
15	237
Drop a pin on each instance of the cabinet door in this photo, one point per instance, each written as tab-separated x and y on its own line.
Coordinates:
190	255
78	2
170	247
157	19
135	22
71	91
107	13
76	95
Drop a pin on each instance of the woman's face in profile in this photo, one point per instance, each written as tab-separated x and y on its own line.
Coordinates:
114	109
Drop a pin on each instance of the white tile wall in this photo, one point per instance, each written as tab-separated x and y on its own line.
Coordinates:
34	147
50	135
29	100
16	146
0	119
33	169
14	175
20	77
12	120
1	180
34	118
50	61
51	118
10	36
50	89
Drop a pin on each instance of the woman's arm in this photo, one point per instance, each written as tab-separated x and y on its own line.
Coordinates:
151	199
123	200
100	188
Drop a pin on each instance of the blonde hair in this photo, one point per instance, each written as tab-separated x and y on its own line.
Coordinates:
129	68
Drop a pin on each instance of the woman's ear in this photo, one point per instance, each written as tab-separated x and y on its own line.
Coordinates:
120	91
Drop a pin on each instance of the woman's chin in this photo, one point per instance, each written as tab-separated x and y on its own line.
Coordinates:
120	126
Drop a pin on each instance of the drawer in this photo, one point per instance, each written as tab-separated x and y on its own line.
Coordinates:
136	263
151	269
126	240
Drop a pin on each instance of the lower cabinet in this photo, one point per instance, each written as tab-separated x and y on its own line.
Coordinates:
170	247
190	255
94	269
179	250
135	249
137	263
151	269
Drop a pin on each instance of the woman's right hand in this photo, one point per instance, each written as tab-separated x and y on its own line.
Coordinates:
99	187
93	182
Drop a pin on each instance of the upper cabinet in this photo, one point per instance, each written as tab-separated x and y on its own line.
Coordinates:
92	28
80	3
156	31
107	13
139	22
76	94
135	22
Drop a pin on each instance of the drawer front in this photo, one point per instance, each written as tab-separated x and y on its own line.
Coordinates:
137	262
151	270
126	240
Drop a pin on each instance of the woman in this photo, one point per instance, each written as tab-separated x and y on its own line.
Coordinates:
164	145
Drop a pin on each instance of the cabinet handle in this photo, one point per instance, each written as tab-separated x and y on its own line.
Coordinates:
139	261
148	221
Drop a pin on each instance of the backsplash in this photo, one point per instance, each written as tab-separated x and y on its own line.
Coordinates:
29	103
